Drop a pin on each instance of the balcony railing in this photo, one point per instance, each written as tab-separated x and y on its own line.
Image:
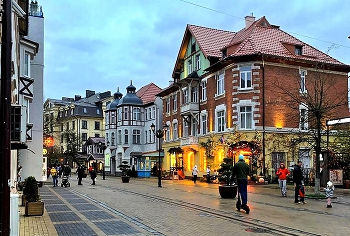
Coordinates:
192	140
190	107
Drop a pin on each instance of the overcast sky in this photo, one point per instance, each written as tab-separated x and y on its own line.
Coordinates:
101	45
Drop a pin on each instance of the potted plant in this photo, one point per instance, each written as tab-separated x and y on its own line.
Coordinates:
227	188
125	168
33	205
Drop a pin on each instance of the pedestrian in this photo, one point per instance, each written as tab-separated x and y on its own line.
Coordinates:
155	170
66	170
329	193
283	174
298	184
241	171
53	173
93	175
195	173
80	172
208	174
48	172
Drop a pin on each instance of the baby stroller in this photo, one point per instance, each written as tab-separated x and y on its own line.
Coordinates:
65	181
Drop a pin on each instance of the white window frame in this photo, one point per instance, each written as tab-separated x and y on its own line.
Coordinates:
185	93
303	120
185	128
204	90
167	106
175	130
246	116
220	121
137	113
136	136
189	66
198	61
303	74
204	123
126	136
26	64
245	76
119	138
220	84
175	102
194	97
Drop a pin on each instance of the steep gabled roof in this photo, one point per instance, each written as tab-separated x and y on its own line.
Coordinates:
148	93
263	38
210	42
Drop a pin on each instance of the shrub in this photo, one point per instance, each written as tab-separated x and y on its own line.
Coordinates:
31	189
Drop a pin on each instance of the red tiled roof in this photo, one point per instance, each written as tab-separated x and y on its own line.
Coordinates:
148	93
263	38
210	41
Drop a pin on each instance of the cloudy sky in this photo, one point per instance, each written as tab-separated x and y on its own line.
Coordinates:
101	45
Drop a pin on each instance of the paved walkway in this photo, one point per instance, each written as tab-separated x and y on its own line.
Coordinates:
70	211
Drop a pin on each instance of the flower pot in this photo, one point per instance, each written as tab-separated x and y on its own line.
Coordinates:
34	208
125	179
228	191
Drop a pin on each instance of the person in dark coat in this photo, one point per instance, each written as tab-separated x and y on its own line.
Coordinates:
93	175
298	183
241	171
80	172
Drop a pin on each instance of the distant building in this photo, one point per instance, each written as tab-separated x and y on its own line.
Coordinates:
71	121
128	129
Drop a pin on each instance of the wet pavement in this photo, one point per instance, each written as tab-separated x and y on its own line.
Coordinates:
180	207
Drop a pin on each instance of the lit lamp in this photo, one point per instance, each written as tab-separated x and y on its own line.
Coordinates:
159	134
103	147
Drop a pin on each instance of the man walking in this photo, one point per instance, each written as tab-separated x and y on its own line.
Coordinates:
80	172
298	183
241	171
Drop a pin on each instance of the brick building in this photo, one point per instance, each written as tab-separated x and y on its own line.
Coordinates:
247	93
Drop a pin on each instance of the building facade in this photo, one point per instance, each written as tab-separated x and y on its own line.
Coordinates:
71	122
247	93
128	130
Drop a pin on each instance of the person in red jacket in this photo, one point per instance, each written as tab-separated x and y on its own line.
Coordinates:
282	174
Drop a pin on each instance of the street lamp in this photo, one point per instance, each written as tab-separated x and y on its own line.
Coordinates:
103	146
159	134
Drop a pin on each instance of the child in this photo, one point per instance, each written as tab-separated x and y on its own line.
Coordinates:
329	193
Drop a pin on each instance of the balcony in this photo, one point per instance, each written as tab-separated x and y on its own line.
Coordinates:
189	108
188	141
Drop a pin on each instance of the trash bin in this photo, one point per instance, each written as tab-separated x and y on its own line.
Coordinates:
175	175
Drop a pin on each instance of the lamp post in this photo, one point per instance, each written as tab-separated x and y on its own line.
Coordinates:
103	146
159	134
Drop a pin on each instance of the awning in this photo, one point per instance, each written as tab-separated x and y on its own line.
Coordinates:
176	150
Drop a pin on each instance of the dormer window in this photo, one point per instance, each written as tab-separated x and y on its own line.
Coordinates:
298	50
193	48
224	53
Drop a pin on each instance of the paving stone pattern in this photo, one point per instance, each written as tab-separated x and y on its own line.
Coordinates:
73	215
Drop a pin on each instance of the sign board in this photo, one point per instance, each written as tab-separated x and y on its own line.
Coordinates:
336	177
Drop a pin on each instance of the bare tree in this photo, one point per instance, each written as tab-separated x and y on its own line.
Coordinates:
313	99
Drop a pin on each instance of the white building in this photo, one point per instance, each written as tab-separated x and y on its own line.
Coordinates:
128	129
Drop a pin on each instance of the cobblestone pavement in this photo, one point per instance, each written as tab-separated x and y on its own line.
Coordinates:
180	208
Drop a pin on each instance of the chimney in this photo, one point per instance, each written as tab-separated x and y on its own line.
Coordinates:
77	97
249	20
89	93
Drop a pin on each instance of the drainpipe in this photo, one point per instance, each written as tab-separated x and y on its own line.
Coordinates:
263	109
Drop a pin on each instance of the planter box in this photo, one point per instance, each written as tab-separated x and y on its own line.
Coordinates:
34	208
125	179
228	191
